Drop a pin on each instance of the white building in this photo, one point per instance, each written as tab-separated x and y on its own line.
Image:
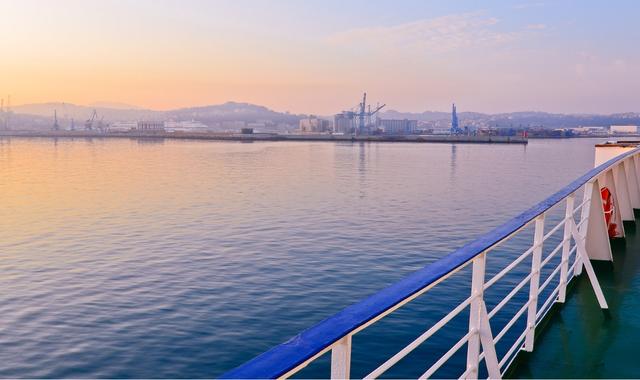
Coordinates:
344	123
630	129
397	126
312	124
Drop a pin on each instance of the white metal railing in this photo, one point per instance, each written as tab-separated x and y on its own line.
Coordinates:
575	252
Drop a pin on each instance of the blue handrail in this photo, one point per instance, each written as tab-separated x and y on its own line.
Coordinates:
283	358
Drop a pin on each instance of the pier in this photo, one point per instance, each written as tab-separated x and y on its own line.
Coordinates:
565	307
251	137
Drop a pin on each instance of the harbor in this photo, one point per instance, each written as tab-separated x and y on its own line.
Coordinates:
256	137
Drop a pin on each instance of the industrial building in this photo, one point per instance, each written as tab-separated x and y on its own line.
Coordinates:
397	126
312	124
150	126
344	122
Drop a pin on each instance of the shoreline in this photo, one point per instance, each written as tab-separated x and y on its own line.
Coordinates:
273	137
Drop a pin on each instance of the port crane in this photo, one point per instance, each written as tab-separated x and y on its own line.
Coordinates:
88	125
365	114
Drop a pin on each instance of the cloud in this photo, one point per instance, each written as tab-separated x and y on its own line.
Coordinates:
445	33
527	5
536	26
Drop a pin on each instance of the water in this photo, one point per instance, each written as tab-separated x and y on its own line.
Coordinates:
137	258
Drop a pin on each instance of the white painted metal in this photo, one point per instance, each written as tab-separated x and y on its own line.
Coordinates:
632	182
535	281
624	200
566	247
593	227
477	291
604	154
341	359
582	252
636	162
488	346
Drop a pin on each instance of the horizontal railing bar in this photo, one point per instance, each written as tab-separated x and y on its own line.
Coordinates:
506	299
419	340
518	343
553	253
436	366
552	297
580	205
511	322
582	221
504	271
465	373
548	280
554	229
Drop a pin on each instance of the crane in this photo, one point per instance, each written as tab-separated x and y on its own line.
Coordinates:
88	125
364	115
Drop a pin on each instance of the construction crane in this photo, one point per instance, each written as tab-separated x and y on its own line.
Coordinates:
364	115
88	125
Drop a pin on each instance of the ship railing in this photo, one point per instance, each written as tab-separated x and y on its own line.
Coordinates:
580	242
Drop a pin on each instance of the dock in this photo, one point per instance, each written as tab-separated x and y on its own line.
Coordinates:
256	137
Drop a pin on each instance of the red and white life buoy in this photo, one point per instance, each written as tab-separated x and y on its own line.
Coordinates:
609	211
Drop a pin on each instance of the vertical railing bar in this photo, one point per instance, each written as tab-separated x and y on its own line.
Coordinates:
477	292
584	215
535	281
341	358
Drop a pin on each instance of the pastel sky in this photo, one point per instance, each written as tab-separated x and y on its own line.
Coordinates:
319	56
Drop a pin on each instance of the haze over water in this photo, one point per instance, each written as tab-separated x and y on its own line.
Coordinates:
170	258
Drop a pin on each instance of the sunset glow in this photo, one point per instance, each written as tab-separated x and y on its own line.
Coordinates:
316	57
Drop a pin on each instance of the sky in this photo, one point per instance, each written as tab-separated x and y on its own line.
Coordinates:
319	56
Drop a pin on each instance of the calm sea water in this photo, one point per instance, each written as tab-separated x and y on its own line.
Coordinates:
138	258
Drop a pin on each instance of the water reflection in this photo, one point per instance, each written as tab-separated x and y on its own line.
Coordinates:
186	258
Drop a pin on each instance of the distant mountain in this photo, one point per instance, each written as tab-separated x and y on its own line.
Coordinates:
231	111
116	105
521	119
235	111
80	113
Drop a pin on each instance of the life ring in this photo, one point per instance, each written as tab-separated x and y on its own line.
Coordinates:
609	211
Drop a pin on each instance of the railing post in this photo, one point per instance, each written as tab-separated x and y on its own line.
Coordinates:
566	248
341	358
477	292
535	282
584	214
